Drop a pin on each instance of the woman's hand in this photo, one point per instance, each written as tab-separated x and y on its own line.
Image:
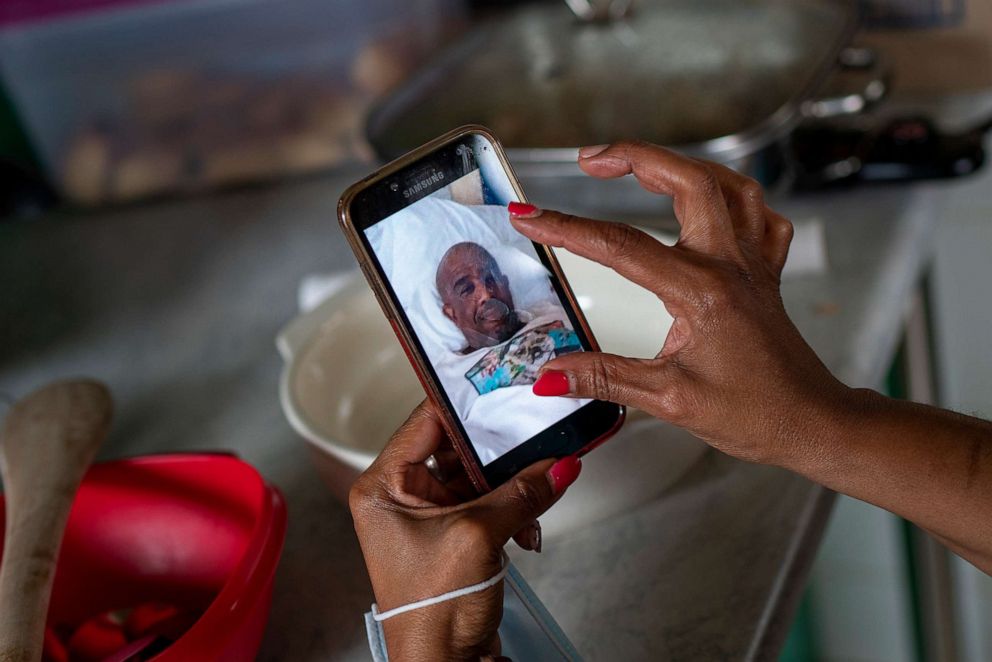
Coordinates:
422	538
733	369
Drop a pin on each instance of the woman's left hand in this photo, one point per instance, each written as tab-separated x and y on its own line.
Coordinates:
422	538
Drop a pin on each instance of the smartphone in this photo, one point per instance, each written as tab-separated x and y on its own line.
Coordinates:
478	307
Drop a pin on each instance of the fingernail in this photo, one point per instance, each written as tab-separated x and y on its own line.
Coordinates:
523	210
564	472
551	382
591	151
535	537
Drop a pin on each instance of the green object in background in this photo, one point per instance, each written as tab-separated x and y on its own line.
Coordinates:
24	190
800	645
895	387
14	146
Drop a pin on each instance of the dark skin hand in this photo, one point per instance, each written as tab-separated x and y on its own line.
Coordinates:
735	371
422	538
476	296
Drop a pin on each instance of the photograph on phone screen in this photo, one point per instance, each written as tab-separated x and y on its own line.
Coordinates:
482	305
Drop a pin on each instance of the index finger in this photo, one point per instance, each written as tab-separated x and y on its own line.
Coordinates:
699	204
635	255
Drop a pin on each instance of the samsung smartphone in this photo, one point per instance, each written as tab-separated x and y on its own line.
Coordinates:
478	307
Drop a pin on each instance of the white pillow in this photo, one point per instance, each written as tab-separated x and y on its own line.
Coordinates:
411	243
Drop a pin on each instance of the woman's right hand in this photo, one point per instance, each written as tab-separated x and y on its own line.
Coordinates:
733	368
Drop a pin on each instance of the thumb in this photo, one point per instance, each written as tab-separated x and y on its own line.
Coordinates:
526	496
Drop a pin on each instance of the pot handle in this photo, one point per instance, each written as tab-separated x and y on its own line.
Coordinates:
876	73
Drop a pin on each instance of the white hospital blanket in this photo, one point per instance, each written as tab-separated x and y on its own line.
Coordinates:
499	421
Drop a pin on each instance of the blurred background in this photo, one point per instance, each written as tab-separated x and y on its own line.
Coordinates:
111	106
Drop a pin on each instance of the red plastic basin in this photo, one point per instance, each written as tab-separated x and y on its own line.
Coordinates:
200	531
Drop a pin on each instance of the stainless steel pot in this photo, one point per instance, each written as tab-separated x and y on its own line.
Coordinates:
726	80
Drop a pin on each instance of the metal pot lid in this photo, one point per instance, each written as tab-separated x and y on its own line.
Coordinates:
675	72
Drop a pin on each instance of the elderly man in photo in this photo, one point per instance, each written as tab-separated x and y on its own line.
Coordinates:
504	349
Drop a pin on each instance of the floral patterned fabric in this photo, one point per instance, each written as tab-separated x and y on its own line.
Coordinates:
517	361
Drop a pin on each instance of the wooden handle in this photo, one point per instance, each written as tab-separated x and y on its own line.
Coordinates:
47	443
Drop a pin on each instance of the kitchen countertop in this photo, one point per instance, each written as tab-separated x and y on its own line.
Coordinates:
176	304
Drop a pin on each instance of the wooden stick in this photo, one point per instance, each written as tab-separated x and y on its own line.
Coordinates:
47	443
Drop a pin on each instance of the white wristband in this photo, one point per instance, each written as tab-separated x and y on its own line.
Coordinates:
444	597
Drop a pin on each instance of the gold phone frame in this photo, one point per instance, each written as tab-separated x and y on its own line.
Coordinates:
389	307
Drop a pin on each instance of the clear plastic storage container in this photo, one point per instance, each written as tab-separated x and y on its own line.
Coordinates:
124	100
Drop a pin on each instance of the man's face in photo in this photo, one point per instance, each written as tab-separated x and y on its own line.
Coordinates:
475	295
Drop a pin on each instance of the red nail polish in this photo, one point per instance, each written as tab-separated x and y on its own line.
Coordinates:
551	382
564	472
523	210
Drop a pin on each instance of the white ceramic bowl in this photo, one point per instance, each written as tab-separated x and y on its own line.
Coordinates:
347	385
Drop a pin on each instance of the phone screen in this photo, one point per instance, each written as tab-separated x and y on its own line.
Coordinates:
482	304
